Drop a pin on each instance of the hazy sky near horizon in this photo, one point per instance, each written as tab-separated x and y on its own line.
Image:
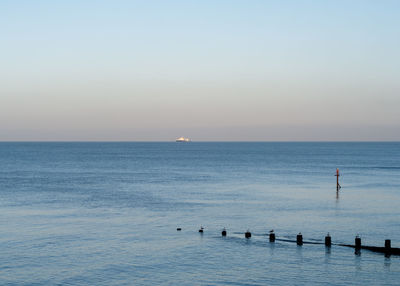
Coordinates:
208	70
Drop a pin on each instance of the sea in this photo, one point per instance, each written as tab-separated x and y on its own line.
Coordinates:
102	213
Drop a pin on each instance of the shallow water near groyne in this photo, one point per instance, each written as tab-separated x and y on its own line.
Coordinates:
107	213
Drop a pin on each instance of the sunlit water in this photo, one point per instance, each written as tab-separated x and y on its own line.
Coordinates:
107	213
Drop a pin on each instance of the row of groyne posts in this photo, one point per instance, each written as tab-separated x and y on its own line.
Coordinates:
387	249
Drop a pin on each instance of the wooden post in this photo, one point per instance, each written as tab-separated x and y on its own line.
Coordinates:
299	239
271	236
247	234
357	242
328	240
223	233
388	244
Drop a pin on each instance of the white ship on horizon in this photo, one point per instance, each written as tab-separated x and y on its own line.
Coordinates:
182	139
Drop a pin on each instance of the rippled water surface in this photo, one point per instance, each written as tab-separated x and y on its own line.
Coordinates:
107	213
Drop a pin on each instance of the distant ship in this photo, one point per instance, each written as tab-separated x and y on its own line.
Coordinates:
182	139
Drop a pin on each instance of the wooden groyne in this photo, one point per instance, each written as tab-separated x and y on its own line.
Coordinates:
387	249
390	251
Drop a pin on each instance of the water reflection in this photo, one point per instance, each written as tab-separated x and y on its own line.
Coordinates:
271	248
327	251
327	255
357	259
387	262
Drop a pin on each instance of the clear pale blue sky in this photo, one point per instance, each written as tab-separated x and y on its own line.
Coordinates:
208	70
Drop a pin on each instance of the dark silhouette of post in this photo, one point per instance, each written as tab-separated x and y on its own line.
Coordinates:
388	246
223	233
357	242
357	245
299	239
247	234
271	236
337	180
328	240
201	229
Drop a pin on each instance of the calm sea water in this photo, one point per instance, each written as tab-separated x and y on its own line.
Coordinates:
107	213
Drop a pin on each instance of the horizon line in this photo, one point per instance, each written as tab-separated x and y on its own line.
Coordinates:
200	141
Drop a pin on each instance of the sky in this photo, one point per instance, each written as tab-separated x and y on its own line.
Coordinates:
210	70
